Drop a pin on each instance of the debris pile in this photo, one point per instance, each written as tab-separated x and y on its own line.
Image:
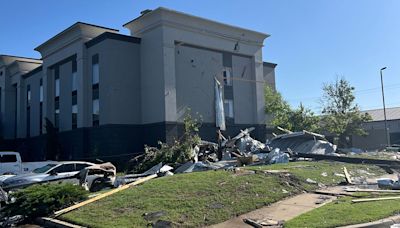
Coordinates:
303	142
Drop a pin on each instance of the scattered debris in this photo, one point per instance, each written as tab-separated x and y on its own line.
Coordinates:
303	142
216	206
76	206
387	183
324	174
322	199
276	156
253	223
97	177
347	175
154	215
308	180
339	174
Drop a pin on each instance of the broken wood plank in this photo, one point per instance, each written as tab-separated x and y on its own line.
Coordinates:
252	223
375	199
347	175
373	190
284	130
331	193
78	205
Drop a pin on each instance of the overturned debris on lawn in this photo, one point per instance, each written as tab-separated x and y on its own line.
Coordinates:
303	142
388	183
96	177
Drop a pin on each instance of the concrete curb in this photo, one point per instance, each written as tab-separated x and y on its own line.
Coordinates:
55	223
386	222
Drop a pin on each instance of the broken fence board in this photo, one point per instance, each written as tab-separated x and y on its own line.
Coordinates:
373	190
76	206
347	175
375	199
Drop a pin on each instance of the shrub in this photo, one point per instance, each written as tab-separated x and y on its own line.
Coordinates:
42	200
180	151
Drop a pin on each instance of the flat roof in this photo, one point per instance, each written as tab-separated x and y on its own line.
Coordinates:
378	115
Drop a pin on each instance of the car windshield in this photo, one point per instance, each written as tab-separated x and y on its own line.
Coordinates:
44	168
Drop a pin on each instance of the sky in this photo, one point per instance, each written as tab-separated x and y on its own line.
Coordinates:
312	41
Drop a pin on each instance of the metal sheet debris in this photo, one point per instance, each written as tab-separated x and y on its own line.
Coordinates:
303	142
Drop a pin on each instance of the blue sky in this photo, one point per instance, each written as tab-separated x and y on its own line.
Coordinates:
312	41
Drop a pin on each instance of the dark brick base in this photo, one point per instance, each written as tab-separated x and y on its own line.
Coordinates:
117	143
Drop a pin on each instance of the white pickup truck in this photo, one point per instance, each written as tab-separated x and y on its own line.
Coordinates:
11	163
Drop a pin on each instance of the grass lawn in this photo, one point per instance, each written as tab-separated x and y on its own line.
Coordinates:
205	198
314	170
343	212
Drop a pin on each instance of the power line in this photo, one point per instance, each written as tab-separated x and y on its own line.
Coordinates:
363	91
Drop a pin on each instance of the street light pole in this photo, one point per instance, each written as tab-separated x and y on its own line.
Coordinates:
384	110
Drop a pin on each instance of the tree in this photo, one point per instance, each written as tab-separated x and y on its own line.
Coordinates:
276	108
281	114
341	115
303	119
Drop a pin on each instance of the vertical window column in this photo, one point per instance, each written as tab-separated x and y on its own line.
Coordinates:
74	95
57	98
28	110
228	88
95	90
41	106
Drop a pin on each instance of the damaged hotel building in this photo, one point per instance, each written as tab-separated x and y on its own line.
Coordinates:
109	94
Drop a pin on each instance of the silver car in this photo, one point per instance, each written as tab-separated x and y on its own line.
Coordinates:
47	173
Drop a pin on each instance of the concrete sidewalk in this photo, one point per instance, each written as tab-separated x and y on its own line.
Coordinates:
283	210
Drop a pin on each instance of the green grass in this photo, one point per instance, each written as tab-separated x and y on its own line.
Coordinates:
314	170
205	198
343	212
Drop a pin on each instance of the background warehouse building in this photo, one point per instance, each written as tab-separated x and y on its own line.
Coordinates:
109	94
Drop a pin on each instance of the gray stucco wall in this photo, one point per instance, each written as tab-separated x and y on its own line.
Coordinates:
269	75
376	138
195	71
244	91
34	82
152	80
120	99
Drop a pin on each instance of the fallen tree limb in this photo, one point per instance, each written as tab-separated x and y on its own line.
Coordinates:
375	199
76	206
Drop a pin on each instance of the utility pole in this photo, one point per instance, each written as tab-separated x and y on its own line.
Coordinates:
384	110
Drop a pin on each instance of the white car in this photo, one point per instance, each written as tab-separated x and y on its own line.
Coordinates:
47	173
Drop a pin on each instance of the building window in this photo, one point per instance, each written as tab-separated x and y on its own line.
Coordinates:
41	91
227	76
74	76
228	108
57	98
74	95
28	95
74	116
41	106
95	90
96	112
57	82
95	69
